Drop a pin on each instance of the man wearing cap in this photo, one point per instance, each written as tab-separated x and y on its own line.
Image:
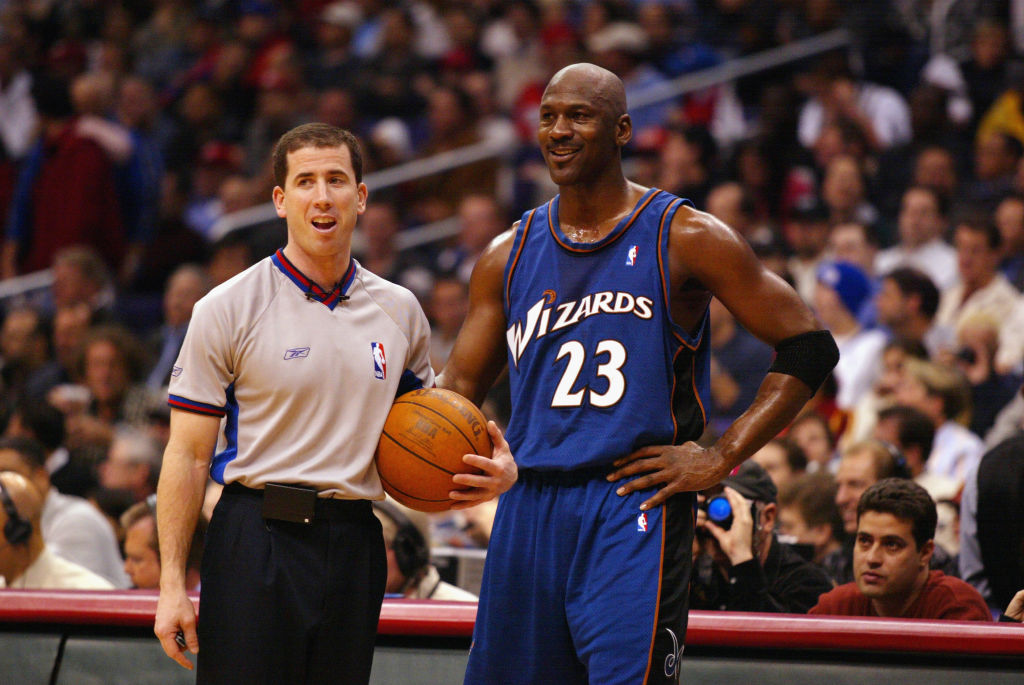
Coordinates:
842	290
744	567
806	232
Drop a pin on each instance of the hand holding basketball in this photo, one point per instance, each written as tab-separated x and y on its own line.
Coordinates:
425	437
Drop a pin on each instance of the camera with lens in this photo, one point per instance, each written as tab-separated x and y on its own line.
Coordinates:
718	510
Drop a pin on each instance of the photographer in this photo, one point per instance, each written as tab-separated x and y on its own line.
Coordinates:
991	390
741	565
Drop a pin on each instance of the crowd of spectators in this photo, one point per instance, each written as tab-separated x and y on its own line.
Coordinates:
884	180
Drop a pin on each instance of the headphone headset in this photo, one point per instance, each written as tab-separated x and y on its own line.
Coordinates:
411	551
17	530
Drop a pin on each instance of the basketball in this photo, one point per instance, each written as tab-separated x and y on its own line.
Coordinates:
425	436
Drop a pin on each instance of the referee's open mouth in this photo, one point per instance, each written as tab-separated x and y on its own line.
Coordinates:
324	224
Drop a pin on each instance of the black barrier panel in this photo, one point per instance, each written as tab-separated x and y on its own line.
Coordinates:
116	660
28	658
418	665
788	670
132	656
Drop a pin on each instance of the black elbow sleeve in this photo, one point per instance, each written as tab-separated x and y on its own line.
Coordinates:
808	356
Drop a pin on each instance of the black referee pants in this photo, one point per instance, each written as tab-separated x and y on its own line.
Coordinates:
283	603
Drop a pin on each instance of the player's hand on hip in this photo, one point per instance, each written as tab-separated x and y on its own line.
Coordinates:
677	468
175	614
499	473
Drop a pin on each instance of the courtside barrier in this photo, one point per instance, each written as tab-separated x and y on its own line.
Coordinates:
80	637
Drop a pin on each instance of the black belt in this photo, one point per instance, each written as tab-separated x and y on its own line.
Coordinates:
325	507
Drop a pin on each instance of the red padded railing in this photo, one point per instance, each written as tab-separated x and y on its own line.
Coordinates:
455	619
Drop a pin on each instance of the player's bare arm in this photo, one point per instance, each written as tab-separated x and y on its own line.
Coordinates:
707	257
478	355
476	359
186	465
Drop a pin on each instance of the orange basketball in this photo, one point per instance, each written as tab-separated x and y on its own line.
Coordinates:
425	437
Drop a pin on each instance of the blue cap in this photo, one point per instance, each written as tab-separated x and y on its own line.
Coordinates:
849	281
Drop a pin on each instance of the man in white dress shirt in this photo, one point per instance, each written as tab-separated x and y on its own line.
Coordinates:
72	527
921	224
25	560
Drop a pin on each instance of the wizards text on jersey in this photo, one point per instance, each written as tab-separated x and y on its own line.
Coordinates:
597	368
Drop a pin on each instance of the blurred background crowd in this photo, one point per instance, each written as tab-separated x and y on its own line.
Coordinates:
882	178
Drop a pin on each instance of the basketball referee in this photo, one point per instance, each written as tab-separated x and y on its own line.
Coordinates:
293	366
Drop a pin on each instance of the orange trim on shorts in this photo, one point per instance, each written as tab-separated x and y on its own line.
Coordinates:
515	260
671	398
696	393
581	250
657	607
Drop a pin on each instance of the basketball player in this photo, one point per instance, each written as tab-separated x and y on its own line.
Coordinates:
597	301
303	354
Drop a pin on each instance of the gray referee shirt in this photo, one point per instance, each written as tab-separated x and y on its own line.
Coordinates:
304	378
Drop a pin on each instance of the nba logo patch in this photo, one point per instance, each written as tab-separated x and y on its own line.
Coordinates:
380	362
631	255
641	523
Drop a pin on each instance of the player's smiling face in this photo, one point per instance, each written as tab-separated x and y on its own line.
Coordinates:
320	200
578	134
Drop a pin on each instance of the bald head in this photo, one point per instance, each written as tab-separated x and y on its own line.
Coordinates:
601	86
26	498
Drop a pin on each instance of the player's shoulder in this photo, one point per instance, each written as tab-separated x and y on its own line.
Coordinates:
696	234
689	220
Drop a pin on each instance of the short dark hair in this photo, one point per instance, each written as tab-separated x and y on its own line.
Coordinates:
983	226
911	281
913	428
700	137
868	231
941	204
124	341
906	500
44	420
796	458
814	496
815	417
137	512
315	135
909	347
88	262
52	96
1010	144
30	451
147	509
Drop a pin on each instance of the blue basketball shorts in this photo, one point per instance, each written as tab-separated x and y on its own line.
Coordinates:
580	586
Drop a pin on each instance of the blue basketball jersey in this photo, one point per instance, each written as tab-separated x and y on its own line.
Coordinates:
597	367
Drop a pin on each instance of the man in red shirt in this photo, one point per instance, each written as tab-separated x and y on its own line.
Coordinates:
895	530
